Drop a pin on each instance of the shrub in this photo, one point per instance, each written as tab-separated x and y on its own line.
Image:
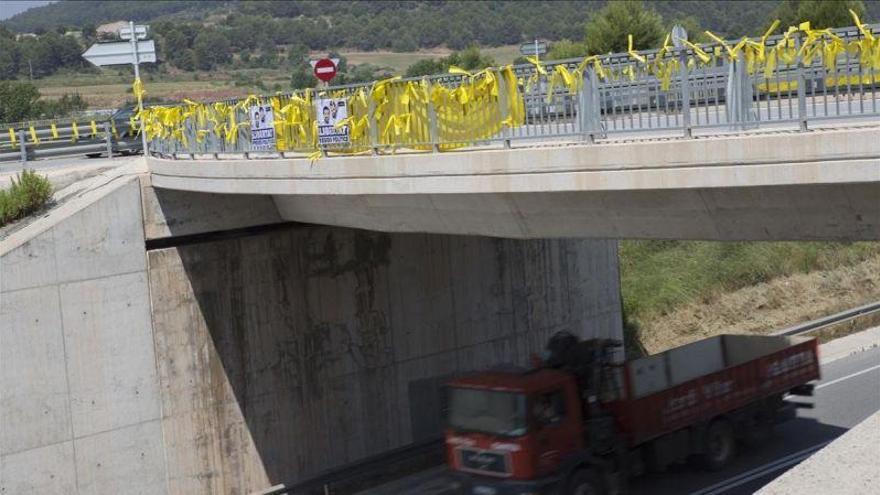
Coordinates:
28	193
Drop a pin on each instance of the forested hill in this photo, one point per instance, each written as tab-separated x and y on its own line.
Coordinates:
396	25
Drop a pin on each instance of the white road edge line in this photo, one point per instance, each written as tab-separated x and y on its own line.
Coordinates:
747	476
760	471
847	377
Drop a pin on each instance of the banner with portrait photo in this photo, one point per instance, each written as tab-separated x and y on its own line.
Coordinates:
262	128
330	112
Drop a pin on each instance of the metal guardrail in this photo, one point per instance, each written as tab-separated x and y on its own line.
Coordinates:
68	137
723	95
834	319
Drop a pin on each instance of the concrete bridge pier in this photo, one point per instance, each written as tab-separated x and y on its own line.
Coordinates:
283	354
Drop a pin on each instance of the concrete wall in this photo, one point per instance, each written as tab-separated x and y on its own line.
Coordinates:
287	353
79	396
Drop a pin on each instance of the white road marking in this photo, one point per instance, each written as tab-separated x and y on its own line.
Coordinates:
847	377
760	471
780	463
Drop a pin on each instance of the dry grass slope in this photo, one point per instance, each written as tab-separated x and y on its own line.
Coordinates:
767	306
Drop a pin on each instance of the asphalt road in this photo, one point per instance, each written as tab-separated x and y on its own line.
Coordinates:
848	393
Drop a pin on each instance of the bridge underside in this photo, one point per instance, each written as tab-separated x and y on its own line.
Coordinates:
822	212
821	185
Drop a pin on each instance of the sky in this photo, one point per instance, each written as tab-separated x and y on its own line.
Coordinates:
9	8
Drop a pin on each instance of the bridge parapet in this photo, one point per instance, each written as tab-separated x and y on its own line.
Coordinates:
668	92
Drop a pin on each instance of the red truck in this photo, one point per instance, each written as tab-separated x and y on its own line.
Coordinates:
582	423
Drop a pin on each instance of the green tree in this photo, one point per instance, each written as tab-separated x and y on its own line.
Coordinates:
18	101
211	48
424	67
296	55
174	47
404	43
608	30
89	32
470	59
564	49
302	76
9	58
821	13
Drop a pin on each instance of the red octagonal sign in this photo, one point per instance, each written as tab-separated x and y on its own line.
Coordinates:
325	69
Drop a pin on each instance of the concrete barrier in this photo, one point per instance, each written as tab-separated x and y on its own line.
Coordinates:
846	465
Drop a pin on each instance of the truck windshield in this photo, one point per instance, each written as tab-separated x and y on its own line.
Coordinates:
487	411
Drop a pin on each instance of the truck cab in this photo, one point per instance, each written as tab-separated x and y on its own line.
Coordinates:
514	432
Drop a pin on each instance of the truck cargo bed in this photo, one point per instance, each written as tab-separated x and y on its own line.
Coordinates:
698	381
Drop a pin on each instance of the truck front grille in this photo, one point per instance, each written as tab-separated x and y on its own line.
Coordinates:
483	461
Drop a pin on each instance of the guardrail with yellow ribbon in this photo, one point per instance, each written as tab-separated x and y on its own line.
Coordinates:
24	141
800	75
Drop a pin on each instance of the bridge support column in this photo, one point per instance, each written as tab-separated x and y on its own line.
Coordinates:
284	354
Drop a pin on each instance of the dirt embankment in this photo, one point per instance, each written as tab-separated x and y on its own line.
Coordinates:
767	307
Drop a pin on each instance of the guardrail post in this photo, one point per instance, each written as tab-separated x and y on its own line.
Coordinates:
588	106
108	137
685	93
433	130
801	90
739	101
504	104
23	145
374	127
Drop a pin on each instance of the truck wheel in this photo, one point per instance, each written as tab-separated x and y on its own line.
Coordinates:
586	482
719	446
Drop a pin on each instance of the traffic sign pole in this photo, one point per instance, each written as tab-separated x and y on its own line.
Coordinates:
137	76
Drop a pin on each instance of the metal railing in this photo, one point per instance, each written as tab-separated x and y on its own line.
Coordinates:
636	103
827	321
69	137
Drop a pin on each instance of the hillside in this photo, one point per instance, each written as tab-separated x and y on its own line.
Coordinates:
406	25
675	292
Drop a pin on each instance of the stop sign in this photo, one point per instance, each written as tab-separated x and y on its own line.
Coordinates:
325	69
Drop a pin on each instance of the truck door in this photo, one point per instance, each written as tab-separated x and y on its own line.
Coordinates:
555	436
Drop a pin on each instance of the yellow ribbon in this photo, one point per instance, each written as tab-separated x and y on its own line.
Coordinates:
54	131
34	138
138	89
632	53
94	129
75	129
12	138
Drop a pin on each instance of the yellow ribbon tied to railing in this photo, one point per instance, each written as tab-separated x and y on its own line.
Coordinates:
75	129
12	137
138	89
94	126
54	130
34	138
631	50
868	47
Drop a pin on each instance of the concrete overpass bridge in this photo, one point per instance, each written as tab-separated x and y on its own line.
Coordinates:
221	319
817	185
605	149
